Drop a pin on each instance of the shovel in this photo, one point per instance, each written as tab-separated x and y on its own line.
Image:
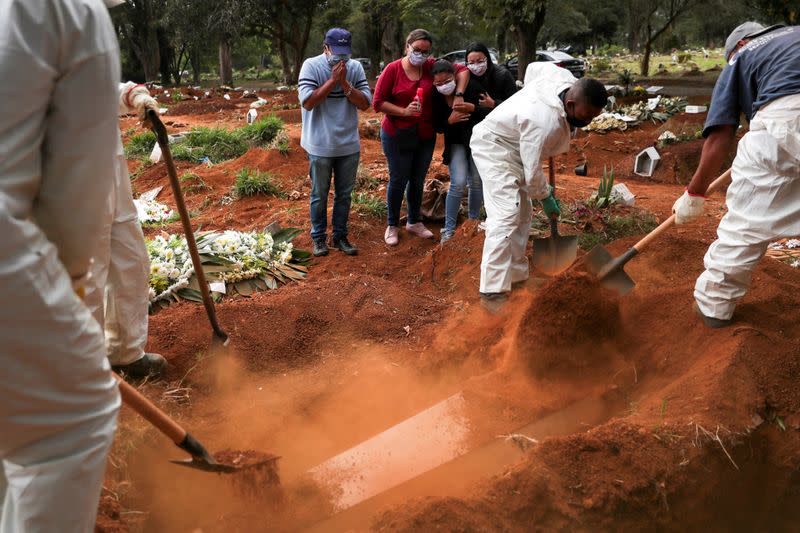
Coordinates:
201	459
610	270
554	254
163	141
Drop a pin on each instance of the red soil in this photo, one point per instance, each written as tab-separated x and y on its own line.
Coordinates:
412	312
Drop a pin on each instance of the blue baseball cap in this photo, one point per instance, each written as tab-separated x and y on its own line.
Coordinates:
339	40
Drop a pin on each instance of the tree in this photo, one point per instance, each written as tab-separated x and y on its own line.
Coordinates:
138	24
780	11
287	23
563	24
523	18
374	19
655	17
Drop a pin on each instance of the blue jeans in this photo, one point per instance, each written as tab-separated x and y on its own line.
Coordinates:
463	174
407	170
343	169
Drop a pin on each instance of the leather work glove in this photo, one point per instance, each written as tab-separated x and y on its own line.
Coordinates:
139	98
688	207
550	205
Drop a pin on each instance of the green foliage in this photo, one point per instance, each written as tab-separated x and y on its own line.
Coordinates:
140	144
611	227
625	78
366	181
217	144
602	197
193	183
368	205
600	64
684	57
176	97
262	131
250	182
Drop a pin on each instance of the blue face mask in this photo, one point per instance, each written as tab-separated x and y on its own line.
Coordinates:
336	58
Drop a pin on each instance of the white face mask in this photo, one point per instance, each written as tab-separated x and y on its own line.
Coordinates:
447	88
416	58
478	68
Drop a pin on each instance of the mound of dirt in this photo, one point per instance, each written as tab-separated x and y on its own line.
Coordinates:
202	107
571	323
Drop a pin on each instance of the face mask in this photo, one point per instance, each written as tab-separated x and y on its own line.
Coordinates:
447	88
573	121
417	58
478	68
336	58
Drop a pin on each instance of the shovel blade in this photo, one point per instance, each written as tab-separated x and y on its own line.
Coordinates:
554	255
617	280
206	466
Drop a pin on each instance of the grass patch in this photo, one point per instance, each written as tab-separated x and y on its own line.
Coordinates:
217	144
193	183
369	205
262	131
597	226
366	181
140	145
251	182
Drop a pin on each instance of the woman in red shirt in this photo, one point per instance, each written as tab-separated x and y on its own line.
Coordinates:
404	95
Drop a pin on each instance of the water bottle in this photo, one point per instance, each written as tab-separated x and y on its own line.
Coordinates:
419	99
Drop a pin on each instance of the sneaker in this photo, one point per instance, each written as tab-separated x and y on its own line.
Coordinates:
493	301
391	236
344	245
710	321
150	364
419	230
320	247
445	236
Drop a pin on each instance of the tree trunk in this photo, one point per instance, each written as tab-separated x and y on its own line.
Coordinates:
225	64
526	33
149	55
286	67
194	59
500	37
648	48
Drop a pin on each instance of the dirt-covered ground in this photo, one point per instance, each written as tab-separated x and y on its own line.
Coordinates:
645	419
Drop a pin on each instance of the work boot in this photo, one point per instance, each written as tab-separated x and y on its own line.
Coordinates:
493	301
419	230
320	247
710	321
391	236
150	364
344	245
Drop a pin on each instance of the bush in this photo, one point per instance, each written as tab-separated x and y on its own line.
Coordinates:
251	182
262	131
684	57
600	64
140	144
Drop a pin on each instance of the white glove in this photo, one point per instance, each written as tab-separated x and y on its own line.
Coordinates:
139	99
688	207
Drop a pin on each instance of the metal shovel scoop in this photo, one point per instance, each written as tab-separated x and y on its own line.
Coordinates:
554	254
610	270
201	459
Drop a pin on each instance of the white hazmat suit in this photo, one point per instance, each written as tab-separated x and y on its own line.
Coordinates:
762	205
508	147
59	66
117	290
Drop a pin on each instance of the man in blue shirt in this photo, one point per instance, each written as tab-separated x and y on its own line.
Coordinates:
332	89
761	80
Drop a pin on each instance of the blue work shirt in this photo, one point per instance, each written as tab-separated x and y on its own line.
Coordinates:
763	70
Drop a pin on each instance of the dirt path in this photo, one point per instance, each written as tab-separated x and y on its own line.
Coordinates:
680	426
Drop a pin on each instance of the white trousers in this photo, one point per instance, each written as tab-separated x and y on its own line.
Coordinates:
508	218
763	205
118	286
58	401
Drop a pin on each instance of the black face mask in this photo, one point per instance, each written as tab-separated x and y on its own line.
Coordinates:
576	123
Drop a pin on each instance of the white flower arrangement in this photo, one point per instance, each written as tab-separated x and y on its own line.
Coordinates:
150	211
241	255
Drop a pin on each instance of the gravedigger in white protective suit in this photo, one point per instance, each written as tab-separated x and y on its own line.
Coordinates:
508	147
761	80
59	71
117	289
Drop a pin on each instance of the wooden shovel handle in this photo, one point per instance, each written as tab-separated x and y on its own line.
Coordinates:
664	226
552	172
150	412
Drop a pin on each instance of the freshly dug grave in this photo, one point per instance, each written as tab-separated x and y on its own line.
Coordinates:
571	326
710	439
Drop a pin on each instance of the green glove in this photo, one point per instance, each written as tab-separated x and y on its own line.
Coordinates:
550	205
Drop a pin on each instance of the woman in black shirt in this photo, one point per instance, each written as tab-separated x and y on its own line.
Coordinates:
497	82
457	129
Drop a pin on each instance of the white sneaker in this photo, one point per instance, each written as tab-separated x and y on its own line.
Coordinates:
419	230
391	236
